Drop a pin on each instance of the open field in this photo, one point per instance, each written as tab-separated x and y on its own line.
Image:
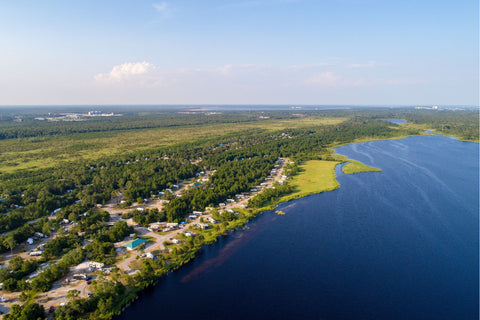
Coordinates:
356	167
316	176
49	151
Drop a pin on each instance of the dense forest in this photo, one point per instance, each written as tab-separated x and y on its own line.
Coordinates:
42	199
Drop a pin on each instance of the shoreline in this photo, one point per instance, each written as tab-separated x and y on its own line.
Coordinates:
249	216
188	253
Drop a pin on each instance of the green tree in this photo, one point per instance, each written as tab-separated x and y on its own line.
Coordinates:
22	297
73	294
29	311
10	243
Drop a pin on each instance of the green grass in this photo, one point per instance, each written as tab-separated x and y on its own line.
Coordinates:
315	176
354	166
44	152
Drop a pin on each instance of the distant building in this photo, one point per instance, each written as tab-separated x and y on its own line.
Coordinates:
204	226
96	265
212	220
80	276
149	255
135	243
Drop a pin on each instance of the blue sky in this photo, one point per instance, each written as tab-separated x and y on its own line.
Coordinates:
362	52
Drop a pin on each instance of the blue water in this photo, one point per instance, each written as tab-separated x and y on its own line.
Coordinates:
396	121
396	244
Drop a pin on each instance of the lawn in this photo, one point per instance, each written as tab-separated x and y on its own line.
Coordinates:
355	167
315	176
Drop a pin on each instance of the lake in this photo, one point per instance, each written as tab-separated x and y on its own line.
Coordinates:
396	244
396	121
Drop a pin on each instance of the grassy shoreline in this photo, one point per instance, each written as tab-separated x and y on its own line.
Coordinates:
314	176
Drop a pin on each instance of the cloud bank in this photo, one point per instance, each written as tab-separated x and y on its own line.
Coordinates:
325	82
125	71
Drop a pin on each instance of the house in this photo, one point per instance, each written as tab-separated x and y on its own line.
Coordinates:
149	255
212	220
154	227
96	265
135	243
80	276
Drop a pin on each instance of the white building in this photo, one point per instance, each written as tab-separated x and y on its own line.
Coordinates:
96	265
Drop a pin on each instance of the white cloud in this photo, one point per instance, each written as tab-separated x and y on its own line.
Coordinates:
124	72
309	76
163	8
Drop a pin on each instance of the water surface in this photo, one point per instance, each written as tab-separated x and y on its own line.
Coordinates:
396	244
396	121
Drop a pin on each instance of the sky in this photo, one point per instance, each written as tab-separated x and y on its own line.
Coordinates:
316	52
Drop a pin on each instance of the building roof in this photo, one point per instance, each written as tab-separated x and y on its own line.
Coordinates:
135	243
